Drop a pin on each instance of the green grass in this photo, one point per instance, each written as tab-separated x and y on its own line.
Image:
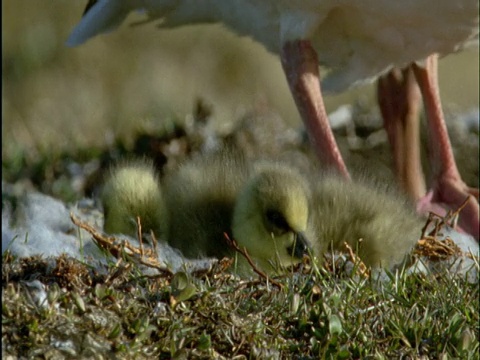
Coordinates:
316	314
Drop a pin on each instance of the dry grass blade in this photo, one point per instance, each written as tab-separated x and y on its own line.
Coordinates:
449	219
139	235
436	249
154	241
245	254
454	216
360	267
429	245
217	269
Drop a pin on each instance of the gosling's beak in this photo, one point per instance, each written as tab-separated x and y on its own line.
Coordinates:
301	246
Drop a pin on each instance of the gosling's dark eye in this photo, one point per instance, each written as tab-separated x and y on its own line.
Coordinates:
277	221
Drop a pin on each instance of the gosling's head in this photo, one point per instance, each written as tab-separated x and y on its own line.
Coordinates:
271	218
132	190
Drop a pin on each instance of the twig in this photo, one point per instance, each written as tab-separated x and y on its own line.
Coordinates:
245	254
449	219
125	249
429	245
456	214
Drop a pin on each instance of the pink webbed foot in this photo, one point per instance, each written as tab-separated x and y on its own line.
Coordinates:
450	195
447	187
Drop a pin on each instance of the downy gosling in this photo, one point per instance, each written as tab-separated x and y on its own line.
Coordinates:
271	209
263	206
132	190
378	224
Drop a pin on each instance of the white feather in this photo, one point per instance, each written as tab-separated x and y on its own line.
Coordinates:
358	40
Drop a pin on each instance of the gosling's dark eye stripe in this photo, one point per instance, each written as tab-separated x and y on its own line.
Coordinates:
275	218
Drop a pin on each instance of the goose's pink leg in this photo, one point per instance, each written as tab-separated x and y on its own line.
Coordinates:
447	187
399	100
300	64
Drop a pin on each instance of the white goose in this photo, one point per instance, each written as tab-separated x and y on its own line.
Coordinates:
359	42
